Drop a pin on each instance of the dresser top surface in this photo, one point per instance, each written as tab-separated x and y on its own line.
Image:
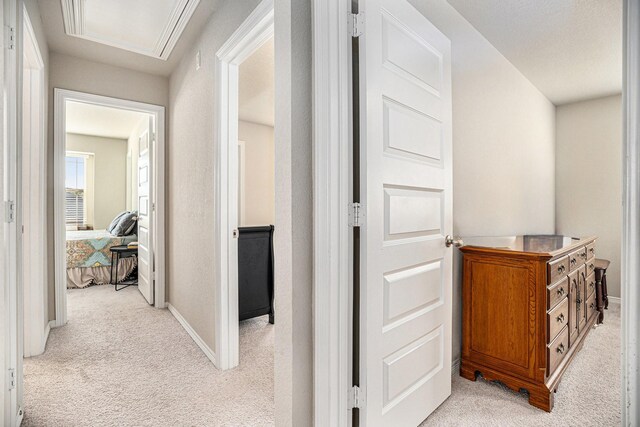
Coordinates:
534	244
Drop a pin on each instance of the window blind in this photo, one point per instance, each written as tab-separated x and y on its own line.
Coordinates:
74	206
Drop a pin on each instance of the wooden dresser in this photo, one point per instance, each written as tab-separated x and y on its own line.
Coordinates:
528	304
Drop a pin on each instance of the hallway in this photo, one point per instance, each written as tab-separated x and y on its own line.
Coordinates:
120	362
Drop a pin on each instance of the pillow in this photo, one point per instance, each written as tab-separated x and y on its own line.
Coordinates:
115	221
127	224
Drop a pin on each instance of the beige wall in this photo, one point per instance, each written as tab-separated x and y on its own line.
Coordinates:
109	168
293	237
190	158
190	179
503	144
259	173
68	72
589	177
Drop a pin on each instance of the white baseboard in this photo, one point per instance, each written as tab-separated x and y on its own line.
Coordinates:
614	300
455	367
192	333
47	329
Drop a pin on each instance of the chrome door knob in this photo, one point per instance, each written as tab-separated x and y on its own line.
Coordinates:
453	241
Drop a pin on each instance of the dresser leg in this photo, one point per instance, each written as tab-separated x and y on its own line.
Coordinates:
605	292
599	296
542	399
467	371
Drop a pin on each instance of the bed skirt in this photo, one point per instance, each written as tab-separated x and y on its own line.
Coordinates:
81	277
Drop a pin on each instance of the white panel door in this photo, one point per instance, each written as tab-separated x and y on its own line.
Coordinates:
406	178
145	212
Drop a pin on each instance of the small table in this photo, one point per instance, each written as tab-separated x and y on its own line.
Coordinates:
117	253
602	296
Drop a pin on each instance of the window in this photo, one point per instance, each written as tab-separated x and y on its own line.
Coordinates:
75	194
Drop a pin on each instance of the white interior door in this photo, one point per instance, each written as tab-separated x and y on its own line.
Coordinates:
406	174
145	212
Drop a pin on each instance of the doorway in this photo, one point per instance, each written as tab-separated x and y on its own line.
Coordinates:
249	46
81	207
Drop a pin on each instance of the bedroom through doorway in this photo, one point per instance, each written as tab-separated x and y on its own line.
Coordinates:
108	200
256	202
104	149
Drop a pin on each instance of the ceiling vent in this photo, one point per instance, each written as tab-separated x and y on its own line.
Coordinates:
147	27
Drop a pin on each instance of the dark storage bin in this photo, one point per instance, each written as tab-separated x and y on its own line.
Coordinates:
255	272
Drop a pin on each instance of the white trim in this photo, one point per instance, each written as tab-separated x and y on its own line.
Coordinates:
61	96
256	30
455	367
8	251
47	331
32	207
332	112
193	334
630	264
242	203
74	25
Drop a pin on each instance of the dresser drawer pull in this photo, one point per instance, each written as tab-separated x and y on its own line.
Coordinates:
561	291
561	269
583	254
592	250
592	305
591	266
560	349
591	285
560	318
573	261
578	301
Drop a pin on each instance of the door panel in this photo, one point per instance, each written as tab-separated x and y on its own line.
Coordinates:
406	172
145	211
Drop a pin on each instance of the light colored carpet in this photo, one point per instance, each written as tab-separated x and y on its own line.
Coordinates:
588	395
120	362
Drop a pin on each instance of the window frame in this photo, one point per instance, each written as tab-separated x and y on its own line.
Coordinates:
89	187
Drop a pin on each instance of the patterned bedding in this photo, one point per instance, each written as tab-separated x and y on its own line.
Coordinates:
91	248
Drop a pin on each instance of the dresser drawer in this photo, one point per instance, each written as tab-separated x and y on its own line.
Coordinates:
556	292
591	250
591	284
558	349
557	319
591	266
557	269
590	306
577	258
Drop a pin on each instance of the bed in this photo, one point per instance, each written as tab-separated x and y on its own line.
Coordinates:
89	257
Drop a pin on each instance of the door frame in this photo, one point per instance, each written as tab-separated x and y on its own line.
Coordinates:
256	30
630	260
332	234
11	310
36	327
61	96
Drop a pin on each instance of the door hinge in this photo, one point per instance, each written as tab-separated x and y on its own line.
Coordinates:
11	37
356	397
11	378
9	211
356	24
356	214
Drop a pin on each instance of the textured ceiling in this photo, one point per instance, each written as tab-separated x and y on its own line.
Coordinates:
569	49
89	119
257	90
59	41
